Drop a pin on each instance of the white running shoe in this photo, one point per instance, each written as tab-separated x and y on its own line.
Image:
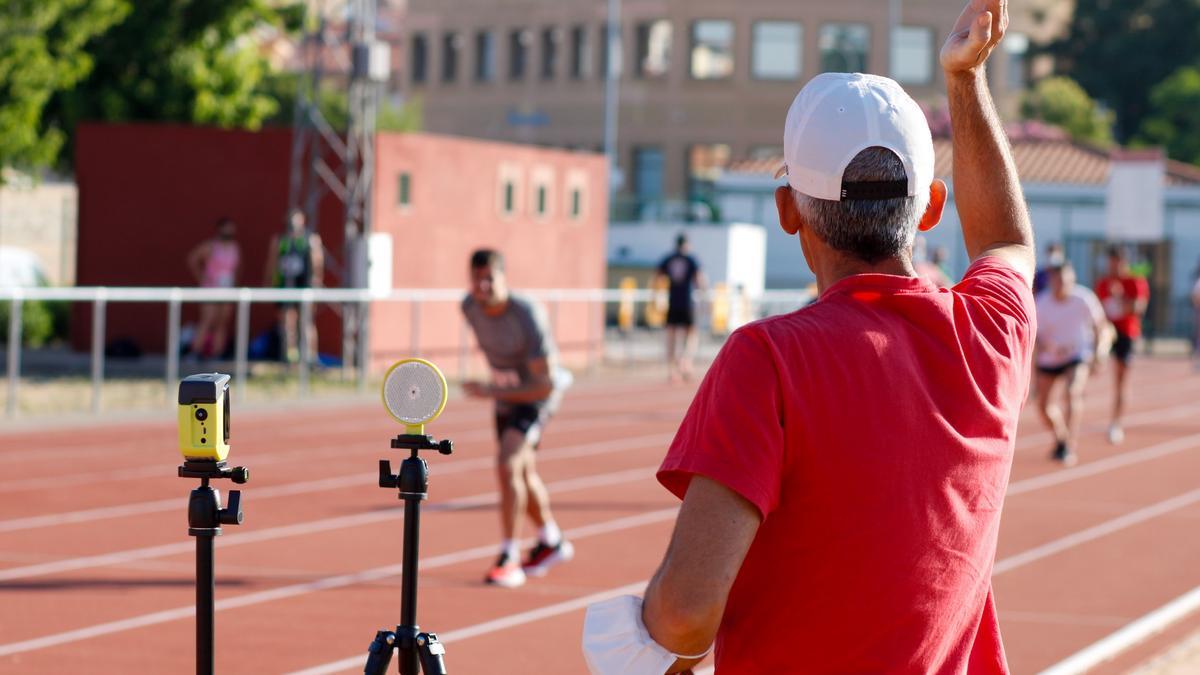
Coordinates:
1116	435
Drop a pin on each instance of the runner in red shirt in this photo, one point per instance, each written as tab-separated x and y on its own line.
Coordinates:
843	467
1124	297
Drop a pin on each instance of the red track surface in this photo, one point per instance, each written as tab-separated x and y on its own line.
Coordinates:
96	568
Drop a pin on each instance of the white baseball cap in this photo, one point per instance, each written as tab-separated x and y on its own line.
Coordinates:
838	115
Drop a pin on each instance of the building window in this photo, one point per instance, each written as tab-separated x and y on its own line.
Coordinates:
648	174
654	49
1016	48
845	47
580	58
912	55
705	164
518	54
450	44
549	53
419	65
712	49
485	57
576	182
508	197
778	48
576	204
617	63
404	189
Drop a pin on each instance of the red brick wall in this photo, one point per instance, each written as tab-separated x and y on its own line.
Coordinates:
149	193
454	209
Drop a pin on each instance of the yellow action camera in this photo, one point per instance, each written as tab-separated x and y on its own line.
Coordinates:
204	417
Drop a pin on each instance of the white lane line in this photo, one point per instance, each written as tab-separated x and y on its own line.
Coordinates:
309	527
119	557
463	427
1104	465
1130	635
1139	419
503	623
323	484
323	584
1005	565
338	482
1096	531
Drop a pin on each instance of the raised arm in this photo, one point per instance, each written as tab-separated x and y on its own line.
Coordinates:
987	190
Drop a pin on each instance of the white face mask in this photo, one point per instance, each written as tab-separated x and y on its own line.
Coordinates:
616	642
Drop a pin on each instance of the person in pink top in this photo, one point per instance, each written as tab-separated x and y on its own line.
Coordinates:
843	467
215	263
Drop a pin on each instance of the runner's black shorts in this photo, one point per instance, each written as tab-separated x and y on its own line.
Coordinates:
1122	348
1056	371
528	419
681	316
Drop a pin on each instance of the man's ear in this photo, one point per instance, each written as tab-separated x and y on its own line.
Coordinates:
789	217
937	204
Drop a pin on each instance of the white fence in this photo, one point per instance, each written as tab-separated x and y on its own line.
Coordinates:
769	302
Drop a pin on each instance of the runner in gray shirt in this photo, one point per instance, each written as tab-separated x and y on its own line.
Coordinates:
526	385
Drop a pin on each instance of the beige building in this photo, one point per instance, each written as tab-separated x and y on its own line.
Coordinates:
703	82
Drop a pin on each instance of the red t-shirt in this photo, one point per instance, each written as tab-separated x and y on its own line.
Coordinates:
1113	291
874	430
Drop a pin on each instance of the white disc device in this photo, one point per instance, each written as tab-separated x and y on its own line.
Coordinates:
414	393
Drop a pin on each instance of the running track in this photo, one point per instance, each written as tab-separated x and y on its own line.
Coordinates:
96	568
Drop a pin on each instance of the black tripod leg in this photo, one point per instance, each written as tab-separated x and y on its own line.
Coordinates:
205	588
379	654
433	654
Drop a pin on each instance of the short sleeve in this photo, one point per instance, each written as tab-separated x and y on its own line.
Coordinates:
997	283
1141	288
1095	309
539	344
733	431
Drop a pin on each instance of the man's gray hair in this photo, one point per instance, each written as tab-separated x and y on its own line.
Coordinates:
871	230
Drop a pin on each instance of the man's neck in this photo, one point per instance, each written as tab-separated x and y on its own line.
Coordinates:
500	307
836	267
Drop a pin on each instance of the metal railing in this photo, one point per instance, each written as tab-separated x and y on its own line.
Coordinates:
769	302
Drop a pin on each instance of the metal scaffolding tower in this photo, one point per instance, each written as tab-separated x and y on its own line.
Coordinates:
341	161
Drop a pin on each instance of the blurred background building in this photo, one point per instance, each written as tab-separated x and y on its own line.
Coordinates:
702	83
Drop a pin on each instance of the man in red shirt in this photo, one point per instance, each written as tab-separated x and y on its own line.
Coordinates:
1124	297
843	467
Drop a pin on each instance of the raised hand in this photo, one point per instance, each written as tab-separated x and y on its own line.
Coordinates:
978	30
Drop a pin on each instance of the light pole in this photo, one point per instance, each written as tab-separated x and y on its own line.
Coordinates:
894	10
611	90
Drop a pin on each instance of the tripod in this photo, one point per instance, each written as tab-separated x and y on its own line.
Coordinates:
419	652
205	518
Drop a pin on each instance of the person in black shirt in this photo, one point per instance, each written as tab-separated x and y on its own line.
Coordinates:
683	273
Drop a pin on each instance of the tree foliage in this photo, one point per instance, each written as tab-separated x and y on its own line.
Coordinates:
42	52
177	60
1060	101
1118	50
1175	118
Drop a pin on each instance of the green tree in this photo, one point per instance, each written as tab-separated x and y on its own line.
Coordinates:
1175	120
179	60
1060	101
42	52
409	116
1118	50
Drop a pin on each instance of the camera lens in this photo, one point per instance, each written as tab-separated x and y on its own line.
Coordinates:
201	414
